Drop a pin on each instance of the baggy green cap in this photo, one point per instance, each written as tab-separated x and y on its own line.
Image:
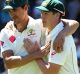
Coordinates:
11	4
51	5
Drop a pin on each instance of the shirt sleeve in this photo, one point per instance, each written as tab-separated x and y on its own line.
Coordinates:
60	58
4	41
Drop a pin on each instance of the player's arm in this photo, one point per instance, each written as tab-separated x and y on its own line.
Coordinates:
48	68
70	26
12	61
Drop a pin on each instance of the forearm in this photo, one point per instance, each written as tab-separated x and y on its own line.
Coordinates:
48	68
43	66
71	27
17	61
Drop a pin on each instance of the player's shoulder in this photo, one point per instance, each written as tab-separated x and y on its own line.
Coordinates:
69	40
9	26
39	22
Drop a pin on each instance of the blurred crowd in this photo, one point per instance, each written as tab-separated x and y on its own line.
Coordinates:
72	8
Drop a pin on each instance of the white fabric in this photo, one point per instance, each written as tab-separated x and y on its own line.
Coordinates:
67	58
17	45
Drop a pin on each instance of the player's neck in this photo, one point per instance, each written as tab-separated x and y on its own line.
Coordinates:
22	25
52	26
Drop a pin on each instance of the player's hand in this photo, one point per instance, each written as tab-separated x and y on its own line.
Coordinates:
30	46
35	48
59	42
43	51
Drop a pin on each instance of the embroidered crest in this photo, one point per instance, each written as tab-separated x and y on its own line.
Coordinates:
31	32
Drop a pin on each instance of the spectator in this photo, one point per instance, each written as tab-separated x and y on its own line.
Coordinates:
4	16
73	9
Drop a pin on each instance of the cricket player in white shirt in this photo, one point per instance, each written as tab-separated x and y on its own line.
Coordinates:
66	61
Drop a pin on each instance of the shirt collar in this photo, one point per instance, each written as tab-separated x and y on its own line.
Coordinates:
56	30
29	25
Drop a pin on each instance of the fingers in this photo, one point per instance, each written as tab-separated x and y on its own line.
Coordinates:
58	43
45	52
25	44
47	46
28	45
46	49
37	47
58	47
28	41
58	50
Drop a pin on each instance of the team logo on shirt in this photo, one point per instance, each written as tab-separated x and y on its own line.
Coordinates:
31	32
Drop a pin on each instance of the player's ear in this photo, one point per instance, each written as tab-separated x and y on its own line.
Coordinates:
58	15
26	7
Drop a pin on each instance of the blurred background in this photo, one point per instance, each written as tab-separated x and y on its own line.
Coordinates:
72	8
